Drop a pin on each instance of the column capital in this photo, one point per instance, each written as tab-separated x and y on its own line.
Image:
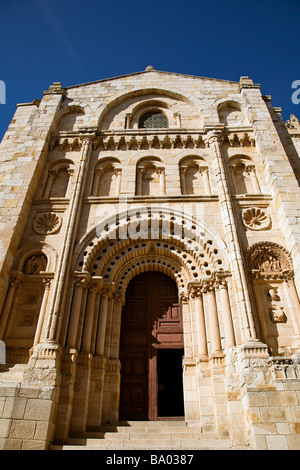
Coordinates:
195	290
47	282
183	297
208	286
250	169
15	279
119	297
203	169
106	292
213	135
82	280
221	281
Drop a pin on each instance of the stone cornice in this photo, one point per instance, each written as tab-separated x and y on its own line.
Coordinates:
137	139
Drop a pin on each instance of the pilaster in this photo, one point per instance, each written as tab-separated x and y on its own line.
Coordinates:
62	275
214	140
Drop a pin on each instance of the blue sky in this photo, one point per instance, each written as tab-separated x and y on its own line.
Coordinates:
78	41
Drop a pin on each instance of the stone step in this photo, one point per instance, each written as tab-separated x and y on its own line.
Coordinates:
142	435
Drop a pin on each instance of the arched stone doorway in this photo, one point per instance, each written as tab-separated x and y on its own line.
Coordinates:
108	258
151	349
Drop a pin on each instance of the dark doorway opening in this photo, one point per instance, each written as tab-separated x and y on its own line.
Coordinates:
170	384
151	331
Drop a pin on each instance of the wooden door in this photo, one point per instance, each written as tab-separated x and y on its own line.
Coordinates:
151	320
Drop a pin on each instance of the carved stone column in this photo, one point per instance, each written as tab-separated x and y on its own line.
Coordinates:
188	343
196	296
191	407
250	169
52	174
204	172
221	285
89	318
139	181
97	175
212	313
295	304
37	338
162	180
79	285
14	283
118	173
96	389
182	180
100	340
248	330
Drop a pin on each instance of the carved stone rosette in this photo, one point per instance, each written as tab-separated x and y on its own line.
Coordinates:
255	219
47	223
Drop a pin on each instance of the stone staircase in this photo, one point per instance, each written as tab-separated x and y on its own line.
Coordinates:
149	435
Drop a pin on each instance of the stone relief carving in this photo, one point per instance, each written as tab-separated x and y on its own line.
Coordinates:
266	262
47	223
269	259
35	264
293	122
277	315
276	312
255	219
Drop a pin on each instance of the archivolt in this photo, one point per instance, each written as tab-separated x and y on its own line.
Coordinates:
120	97
161	238
126	271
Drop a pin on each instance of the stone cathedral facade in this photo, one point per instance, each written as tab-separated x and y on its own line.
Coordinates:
150	262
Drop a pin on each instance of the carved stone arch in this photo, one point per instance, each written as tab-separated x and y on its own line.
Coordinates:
187	159
147	159
23	311
150	177
149	104
269	258
106	177
155	251
121	97
36	249
72	108
57	178
156	224
231	113
243	173
194	177
194	153
106	161
277	301
146	106
150	263
61	163
225	103
70	118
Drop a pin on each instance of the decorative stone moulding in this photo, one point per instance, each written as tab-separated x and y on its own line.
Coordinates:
47	223
255	219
